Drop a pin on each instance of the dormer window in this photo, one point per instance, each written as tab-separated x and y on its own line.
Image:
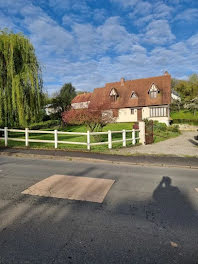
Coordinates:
114	94
133	95
153	91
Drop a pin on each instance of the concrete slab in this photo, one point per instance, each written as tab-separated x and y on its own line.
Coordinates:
72	187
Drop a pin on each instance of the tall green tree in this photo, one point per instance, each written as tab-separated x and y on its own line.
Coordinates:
188	89
20	81
192	105
62	100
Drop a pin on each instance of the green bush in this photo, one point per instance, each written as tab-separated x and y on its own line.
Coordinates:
160	126
45	124
173	128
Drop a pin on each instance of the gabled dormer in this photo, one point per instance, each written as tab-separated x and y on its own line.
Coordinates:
134	95
114	94
153	91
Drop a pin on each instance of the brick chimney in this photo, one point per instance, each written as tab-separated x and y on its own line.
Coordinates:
122	80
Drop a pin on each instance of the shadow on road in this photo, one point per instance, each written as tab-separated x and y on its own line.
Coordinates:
175	206
193	142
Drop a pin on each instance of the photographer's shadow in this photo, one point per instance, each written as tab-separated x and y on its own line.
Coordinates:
174	206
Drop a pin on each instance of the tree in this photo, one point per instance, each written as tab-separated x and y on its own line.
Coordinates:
188	89
20	81
176	105
192	105
62	100
94	119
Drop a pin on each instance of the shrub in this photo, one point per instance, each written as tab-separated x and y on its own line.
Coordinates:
160	126
173	128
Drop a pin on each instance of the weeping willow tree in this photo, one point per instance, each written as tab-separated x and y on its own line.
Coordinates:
20	81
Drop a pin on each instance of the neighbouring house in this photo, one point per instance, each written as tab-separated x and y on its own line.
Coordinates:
49	109
131	101
81	101
175	96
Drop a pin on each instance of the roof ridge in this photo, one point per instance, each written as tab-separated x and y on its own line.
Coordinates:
139	79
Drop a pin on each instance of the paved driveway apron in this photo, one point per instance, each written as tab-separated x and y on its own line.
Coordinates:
183	145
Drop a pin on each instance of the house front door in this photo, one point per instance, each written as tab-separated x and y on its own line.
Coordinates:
139	114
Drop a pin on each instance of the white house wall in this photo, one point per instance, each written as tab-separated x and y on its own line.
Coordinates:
124	115
81	105
161	119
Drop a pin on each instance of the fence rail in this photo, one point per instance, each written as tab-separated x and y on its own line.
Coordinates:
56	133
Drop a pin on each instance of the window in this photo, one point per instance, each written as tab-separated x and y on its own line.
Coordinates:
114	94
132	111
158	111
133	95
153	91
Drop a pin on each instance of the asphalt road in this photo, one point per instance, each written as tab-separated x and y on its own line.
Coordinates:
140	221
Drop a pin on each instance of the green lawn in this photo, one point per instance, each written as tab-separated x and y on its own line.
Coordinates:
184	114
161	132
74	138
160	135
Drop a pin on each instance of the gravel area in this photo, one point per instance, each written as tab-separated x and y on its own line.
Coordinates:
183	145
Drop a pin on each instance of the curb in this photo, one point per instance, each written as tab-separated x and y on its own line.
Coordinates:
85	159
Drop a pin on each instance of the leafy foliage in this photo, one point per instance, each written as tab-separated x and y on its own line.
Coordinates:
188	89
20	81
192	105
62	100
162	131
94	119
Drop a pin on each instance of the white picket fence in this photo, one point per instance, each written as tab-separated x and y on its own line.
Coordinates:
88	134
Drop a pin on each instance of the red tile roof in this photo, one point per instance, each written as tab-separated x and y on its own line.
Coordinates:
84	97
100	97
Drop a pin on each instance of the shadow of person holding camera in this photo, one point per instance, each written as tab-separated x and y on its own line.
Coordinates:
175	207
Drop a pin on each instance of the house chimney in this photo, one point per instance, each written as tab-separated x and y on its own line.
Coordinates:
122	80
166	73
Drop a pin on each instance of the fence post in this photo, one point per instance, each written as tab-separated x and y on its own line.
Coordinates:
109	140
133	137
56	139
124	137
6	136
26	137
142	136
88	140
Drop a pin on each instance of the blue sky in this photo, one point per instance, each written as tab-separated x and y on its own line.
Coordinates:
91	42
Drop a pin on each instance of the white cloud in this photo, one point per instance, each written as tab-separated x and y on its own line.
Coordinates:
162	11
193	42
125	4
158	32
45	33
141	8
99	15
61	6
157	11
188	15
6	22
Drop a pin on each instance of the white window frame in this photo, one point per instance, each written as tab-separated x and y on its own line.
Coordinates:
133	95
159	111
153	91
